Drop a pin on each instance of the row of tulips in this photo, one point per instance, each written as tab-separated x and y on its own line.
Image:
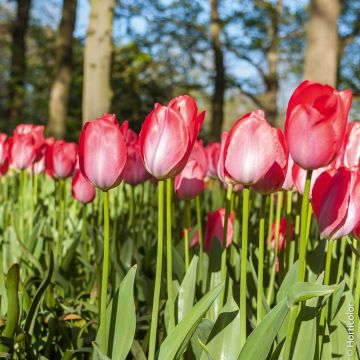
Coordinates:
314	161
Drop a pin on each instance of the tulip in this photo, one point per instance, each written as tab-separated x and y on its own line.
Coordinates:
350	152
336	202
81	189
282	234
39	165
215	228
168	135
23	151
251	149
212	153
315	123
60	159
273	180
134	171
4	168
288	183
4	149
131	137
356	232
102	151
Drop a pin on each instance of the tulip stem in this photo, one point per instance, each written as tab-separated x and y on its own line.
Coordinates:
303	228
105	273
326	282
276	246
271	217
260	281
201	248
186	233
169	254
288	250
22	203
341	260
356	313
244	246
223	268
353	265
61	218
155	309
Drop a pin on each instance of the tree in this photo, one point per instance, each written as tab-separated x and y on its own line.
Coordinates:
59	94
16	86
218	98
97	91
322	51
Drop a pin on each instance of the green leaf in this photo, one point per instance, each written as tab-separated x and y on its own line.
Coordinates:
186	292
302	291
200	336
176	342
220	343
289	280
121	319
259	342
98	354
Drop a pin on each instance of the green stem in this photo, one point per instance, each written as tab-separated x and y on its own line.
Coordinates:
276	245
260	281
22	203
155	309
341	260
186	233
169	254
271	218
288	258
244	246
288	340
223	269
131	206
105	273
61	217
353	265
201	246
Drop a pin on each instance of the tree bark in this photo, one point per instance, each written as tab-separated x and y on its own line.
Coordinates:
60	89
217	102
16	90
97	92
321	56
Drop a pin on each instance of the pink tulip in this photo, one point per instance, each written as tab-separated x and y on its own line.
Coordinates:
213	153
215	228
168	135
251	149
23	151
60	159
315	124
4	149
349	155
103	152
336	202
134	170
81	189
282	234
289	181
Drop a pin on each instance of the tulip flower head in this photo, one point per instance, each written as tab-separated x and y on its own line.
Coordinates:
168	135
336	202
81	189
349	155
215	228
315	123
60	159
4	149
212	153
251	149
103	152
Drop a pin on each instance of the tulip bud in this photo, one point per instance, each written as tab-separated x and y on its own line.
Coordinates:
134	170
81	189
60	159
102	151
315	123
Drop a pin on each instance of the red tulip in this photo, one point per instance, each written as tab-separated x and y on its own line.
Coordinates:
213	153
273	180
289	181
102	151
251	149
167	136
60	159
282	234
81	189
131	137
315	123
39	165
220	170
215	228
356	232
23	151
134	171
198	153
4	149
4	168
350	151
336	202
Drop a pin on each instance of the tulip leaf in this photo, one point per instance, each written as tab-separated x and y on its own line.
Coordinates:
121	319
259	342
200	336
220	343
186	292
176	342
302	291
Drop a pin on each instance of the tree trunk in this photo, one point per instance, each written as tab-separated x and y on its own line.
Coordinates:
60	89
16	90
217	102
97	60
269	99
321	56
